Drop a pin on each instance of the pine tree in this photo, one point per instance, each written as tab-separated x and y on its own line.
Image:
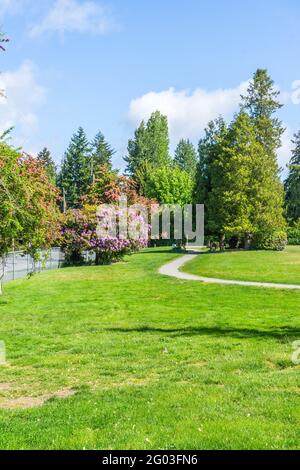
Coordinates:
150	143
244	198
186	156
102	152
208	150
75	175
292	183
230	205
261	104
48	163
137	150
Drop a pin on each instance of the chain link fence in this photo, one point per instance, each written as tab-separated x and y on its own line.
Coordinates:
19	264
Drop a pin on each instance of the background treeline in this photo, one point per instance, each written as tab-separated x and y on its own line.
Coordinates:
234	171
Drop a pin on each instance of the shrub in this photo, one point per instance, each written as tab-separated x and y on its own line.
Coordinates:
276	240
73	242
80	232
293	234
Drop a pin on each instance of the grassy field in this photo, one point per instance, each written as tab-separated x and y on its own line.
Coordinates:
265	266
152	362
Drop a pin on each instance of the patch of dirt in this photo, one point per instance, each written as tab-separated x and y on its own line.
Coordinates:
31	402
64	393
23	402
5	386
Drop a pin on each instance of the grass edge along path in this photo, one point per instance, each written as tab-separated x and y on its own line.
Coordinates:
265	269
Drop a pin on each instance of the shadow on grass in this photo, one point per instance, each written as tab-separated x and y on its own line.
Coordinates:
277	333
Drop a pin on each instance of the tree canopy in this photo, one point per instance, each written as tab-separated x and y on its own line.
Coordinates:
45	158
102	152
150	144
76	170
186	156
28	204
292	183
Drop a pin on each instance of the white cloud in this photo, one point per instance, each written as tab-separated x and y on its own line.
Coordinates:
284	153
23	96
188	112
75	16
295	95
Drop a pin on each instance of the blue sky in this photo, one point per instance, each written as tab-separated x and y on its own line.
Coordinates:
105	65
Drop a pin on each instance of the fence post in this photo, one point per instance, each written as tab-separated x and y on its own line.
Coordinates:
13	258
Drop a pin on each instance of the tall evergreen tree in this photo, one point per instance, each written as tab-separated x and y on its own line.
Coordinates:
229	202
292	183
102	152
150	143
186	156
244	198
75	175
137	150
261	103
44	157
208	150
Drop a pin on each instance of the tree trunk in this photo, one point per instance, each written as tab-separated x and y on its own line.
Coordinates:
222	242
248	238
97	259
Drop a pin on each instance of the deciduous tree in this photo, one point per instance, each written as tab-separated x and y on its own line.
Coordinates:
169	185
150	144
28	209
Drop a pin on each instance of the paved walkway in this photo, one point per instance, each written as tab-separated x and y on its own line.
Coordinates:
172	269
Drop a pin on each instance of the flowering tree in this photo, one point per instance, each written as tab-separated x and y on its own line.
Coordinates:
108	187
101	226
97	229
41	224
28	210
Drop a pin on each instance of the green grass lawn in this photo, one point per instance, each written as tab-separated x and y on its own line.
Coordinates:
265	266
155	362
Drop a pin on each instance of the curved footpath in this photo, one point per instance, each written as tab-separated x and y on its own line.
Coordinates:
172	269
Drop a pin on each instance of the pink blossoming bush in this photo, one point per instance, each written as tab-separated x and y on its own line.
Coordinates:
97	230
